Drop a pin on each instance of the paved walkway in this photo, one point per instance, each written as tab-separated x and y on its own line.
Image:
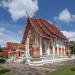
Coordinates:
24	69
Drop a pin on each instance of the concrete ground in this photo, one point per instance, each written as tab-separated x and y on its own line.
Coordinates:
24	69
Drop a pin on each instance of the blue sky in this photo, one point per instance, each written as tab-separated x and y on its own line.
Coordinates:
13	17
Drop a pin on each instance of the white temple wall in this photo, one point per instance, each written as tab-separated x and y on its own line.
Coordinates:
48	48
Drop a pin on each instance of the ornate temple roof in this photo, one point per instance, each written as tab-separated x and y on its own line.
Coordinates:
44	28
11	45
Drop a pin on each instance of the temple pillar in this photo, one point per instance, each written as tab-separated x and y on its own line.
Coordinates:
48	50
57	49
61	50
27	49
40	46
53	53
64	51
53	50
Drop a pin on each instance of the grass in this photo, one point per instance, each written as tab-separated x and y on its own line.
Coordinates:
64	71
4	71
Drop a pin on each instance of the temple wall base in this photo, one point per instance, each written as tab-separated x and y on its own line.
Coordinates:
40	61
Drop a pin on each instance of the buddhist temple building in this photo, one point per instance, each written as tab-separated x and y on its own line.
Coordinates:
41	40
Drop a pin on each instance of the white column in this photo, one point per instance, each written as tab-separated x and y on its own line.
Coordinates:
64	50
61	50
28	46
27	49
58	46
53	47
48	48
40	46
53	50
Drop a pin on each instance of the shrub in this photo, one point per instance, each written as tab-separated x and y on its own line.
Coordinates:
72	69
4	71
1	49
2	60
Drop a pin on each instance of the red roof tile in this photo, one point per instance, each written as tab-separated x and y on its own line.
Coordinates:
45	29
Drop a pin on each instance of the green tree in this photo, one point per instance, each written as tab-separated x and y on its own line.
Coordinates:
72	46
1	49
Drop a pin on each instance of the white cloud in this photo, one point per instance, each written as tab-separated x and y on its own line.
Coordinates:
1	34
65	16
2	29
70	35
5	36
20	8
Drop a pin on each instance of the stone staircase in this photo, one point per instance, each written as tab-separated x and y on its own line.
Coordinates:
39	63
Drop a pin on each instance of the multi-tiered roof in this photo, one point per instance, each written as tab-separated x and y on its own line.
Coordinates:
44	28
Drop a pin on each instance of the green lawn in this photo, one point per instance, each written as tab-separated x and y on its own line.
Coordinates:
4	71
63	71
